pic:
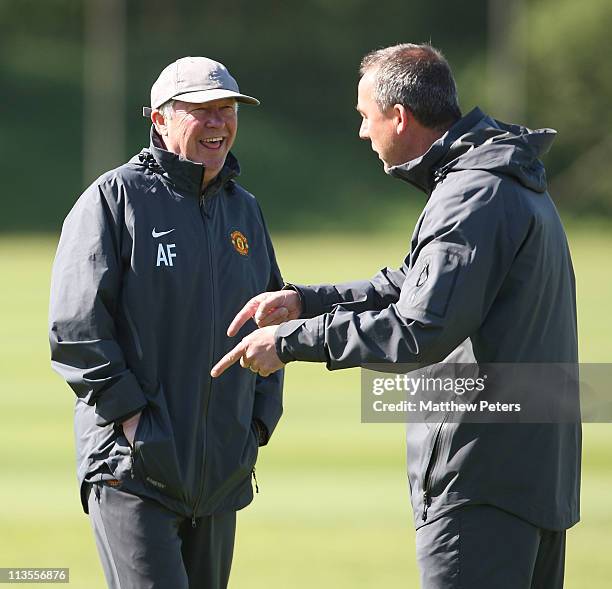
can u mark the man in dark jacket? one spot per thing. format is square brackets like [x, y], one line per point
[154, 260]
[488, 278]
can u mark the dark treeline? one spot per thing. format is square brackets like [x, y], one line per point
[299, 151]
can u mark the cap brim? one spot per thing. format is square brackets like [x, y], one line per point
[201, 96]
[207, 95]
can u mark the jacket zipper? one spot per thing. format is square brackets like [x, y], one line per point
[132, 459]
[429, 472]
[211, 357]
[255, 479]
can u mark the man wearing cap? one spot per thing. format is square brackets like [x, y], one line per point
[154, 260]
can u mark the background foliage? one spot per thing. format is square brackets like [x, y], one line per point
[299, 151]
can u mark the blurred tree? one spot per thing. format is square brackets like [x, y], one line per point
[41, 82]
[570, 89]
[507, 52]
[104, 86]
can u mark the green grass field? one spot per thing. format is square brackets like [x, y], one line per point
[333, 507]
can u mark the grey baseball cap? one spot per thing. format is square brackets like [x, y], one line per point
[195, 79]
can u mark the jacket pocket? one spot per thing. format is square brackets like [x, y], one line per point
[224, 495]
[431, 282]
[154, 453]
[429, 473]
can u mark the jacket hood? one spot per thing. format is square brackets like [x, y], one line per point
[184, 174]
[478, 142]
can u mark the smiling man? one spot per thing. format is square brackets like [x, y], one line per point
[154, 260]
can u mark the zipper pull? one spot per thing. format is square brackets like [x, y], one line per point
[255, 479]
[193, 521]
[426, 504]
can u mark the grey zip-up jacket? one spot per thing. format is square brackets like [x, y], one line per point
[149, 273]
[488, 278]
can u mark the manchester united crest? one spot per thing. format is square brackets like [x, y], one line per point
[240, 243]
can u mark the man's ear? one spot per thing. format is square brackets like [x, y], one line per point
[160, 122]
[401, 116]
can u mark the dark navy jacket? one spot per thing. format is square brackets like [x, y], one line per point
[149, 273]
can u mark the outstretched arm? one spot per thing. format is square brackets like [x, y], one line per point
[295, 301]
[458, 269]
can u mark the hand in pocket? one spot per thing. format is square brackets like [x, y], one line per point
[129, 427]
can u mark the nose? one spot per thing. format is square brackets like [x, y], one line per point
[363, 130]
[214, 119]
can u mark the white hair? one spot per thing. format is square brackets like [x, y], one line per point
[167, 109]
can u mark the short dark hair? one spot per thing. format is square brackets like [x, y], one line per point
[417, 77]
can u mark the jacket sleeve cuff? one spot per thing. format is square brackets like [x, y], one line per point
[118, 402]
[301, 339]
[312, 305]
[263, 434]
[268, 405]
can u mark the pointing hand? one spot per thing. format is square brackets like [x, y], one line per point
[268, 308]
[256, 351]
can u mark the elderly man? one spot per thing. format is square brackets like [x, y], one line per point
[154, 260]
[488, 277]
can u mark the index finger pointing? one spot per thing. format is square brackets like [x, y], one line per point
[230, 358]
[243, 316]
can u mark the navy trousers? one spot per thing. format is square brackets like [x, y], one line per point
[482, 547]
[143, 545]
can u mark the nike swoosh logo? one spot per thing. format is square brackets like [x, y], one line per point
[160, 233]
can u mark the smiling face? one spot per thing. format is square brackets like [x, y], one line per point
[202, 133]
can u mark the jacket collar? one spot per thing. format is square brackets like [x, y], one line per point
[185, 175]
[420, 172]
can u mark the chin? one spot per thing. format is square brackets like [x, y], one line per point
[213, 166]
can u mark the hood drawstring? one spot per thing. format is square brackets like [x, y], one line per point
[439, 175]
[146, 157]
